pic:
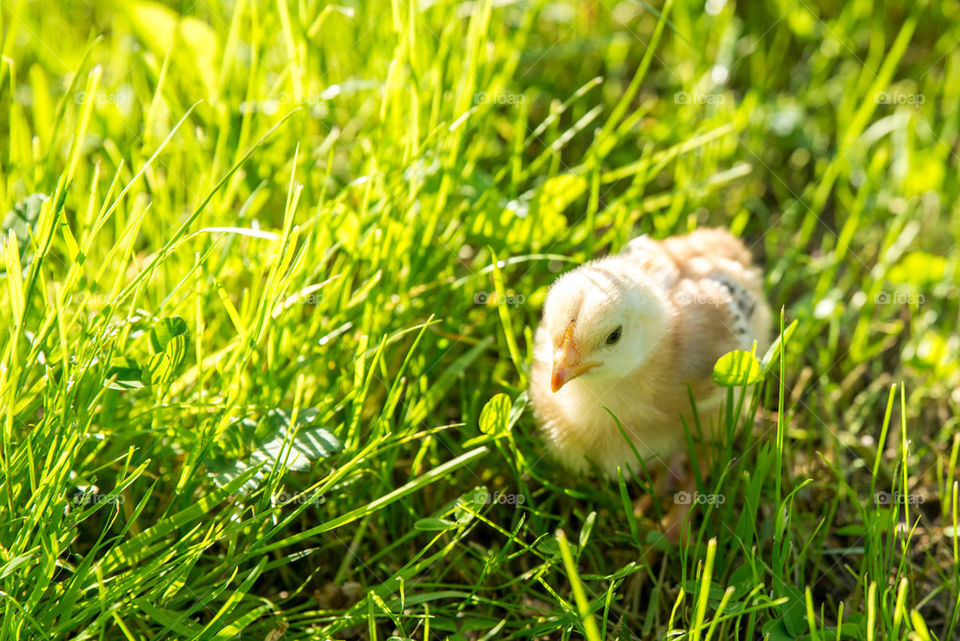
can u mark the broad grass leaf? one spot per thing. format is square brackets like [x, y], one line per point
[738, 367]
[294, 449]
[168, 338]
[128, 373]
[495, 416]
[166, 330]
[793, 612]
[776, 630]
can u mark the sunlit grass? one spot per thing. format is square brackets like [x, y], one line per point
[270, 274]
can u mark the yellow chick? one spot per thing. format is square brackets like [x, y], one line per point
[629, 332]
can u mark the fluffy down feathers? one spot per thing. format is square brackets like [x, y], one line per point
[628, 333]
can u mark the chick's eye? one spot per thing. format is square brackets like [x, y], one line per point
[614, 336]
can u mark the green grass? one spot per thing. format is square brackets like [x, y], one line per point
[269, 324]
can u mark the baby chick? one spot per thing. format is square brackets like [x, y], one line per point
[629, 332]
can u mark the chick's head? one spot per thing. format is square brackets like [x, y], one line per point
[602, 324]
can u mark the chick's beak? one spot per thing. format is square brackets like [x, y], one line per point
[567, 364]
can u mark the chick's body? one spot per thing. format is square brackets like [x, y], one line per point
[629, 333]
